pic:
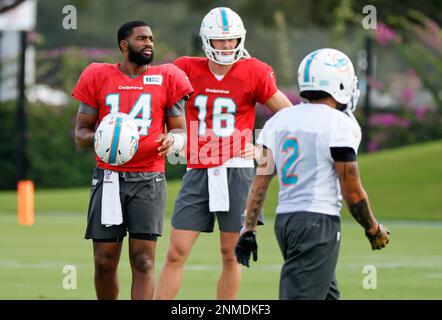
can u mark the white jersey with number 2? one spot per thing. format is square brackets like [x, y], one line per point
[300, 138]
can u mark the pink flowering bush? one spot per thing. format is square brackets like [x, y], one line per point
[384, 34]
[410, 120]
[417, 40]
[406, 126]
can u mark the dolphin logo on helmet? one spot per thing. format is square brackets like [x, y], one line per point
[331, 71]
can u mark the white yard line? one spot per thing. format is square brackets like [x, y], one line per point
[425, 262]
[422, 264]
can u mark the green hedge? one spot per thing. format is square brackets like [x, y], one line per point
[52, 157]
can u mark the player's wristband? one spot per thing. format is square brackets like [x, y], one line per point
[178, 142]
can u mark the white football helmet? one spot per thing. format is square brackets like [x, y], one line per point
[331, 71]
[116, 139]
[223, 24]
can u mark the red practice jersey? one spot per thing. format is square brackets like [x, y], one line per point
[220, 115]
[145, 98]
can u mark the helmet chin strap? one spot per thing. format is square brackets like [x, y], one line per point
[218, 57]
[341, 107]
[227, 59]
[351, 115]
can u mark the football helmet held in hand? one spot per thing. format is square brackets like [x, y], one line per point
[116, 139]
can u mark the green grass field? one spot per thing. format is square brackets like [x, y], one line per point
[404, 186]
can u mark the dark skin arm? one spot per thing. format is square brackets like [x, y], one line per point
[355, 196]
[176, 125]
[84, 129]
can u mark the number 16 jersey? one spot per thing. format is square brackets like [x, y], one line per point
[220, 115]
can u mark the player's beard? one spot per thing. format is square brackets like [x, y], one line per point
[139, 58]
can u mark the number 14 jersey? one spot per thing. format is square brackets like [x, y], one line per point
[145, 98]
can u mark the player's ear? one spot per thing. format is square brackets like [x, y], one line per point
[123, 45]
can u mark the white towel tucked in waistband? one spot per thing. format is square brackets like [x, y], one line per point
[111, 213]
[239, 163]
[218, 189]
[219, 186]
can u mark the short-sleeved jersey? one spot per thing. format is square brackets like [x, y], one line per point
[220, 115]
[145, 98]
[300, 138]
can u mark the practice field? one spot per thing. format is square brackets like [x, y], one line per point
[32, 262]
[405, 191]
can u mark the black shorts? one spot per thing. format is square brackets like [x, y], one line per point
[309, 243]
[143, 205]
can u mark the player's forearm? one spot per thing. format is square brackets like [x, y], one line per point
[359, 207]
[85, 127]
[256, 199]
[278, 101]
[84, 137]
[362, 213]
[355, 195]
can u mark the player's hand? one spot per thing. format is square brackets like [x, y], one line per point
[245, 247]
[380, 239]
[249, 152]
[166, 141]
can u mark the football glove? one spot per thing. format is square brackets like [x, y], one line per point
[380, 239]
[246, 246]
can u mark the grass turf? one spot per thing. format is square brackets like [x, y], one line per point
[32, 261]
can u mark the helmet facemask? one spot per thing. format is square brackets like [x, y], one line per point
[348, 96]
[218, 56]
[355, 93]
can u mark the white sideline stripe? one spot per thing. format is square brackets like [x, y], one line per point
[426, 264]
[433, 275]
[404, 223]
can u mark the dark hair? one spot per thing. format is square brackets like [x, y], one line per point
[314, 95]
[126, 29]
[319, 95]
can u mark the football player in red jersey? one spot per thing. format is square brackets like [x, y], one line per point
[131, 197]
[220, 118]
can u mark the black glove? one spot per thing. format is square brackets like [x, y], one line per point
[245, 246]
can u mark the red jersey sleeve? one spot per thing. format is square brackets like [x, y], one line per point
[181, 63]
[178, 86]
[265, 82]
[85, 89]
